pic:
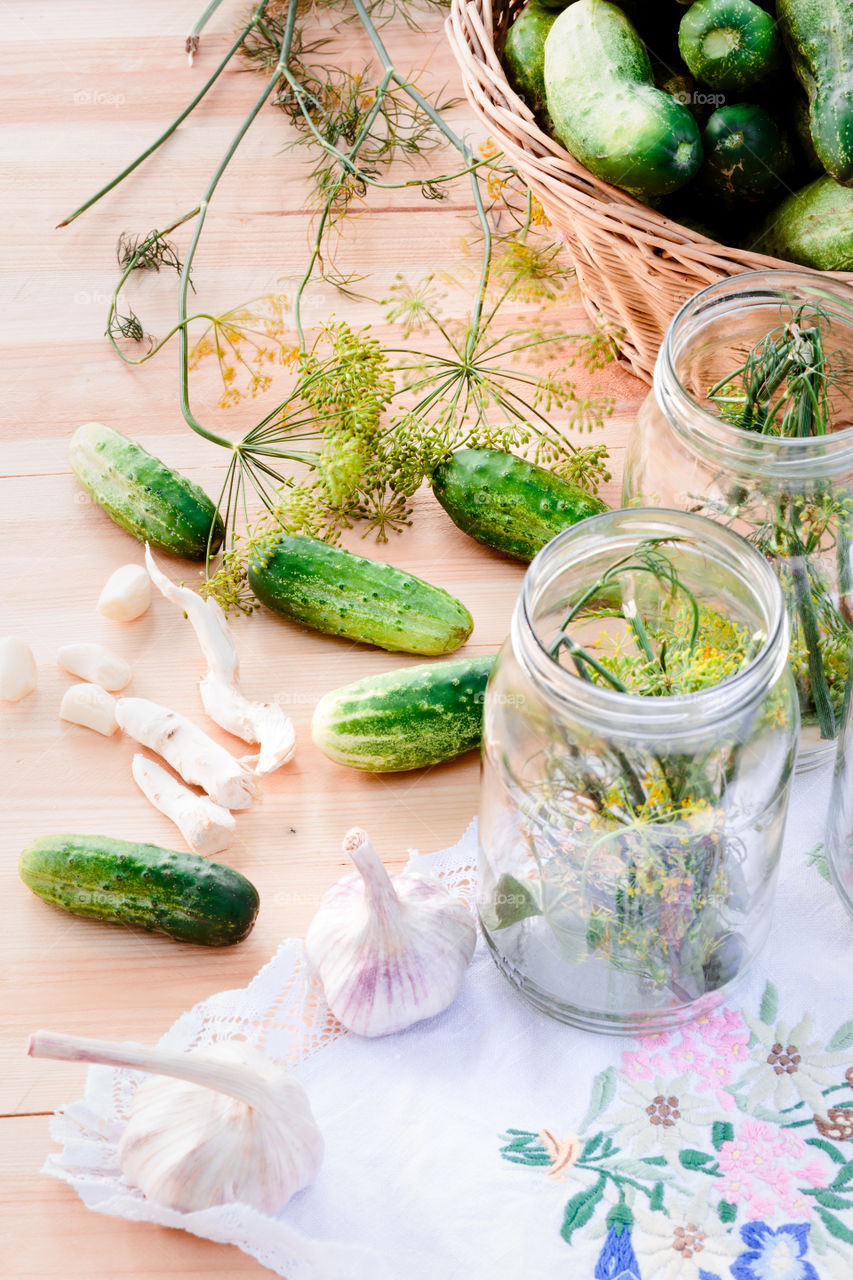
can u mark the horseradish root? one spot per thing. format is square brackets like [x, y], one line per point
[206, 827]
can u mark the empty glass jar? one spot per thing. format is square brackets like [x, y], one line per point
[792, 497]
[640, 728]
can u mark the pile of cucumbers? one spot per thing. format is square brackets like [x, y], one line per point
[730, 116]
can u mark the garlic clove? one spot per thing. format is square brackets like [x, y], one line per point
[94, 663]
[90, 706]
[210, 1127]
[207, 827]
[126, 595]
[17, 669]
[389, 950]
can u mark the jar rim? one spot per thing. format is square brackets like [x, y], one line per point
[675, 715]
[780, 456]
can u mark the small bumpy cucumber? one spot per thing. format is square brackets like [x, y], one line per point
[819, 37]
[605, 107]
[405, 719]
[143, 495]
[142, 885]
[747, 156]
[524, 53]
[343, 594]
[508, 503]
[729, 44]
[813, 227]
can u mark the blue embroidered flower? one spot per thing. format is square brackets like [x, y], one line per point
[774, 1255]
[617, 1260]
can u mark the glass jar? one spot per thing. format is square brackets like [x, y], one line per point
[791, 497]
[629, 842]
[839, 827]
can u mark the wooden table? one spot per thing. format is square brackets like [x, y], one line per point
[85, 87]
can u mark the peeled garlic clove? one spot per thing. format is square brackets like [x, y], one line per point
[224, 1124]
[94, 663]
[90, 706]
[127, 594]
[389, 950]
[17, 669]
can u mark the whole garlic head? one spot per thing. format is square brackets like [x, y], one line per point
[211, 1127]
[389, 950]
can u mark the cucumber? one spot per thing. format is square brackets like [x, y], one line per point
[342, 594]
[747, 156]
[142, 886]
[405, 719]
[508, 503]
[605, 107]
[813, 227]
[819, 38]
[729, 44]
[143, 495]
[524, 53]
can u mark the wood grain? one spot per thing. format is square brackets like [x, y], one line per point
[85, 86]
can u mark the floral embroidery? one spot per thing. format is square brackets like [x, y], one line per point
[774, 1255]
[716, 1154]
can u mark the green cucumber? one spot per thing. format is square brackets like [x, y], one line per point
[143, 495]
[142, 886]
[524, 53]
[605, 107]
[747, 156]
[813, 227]
[819, 38]
[342, 594]
[405, 719]
[729, 44]
[508, 503]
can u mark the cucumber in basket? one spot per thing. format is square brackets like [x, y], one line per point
[524, 53]
[729, 44]
[142, 886]
[143, 495]
[819, 37]
[342, 594]
[508, 503]
[813, 227]
[405, 719]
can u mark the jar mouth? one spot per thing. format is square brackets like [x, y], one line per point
[673, 715]
[728, 445]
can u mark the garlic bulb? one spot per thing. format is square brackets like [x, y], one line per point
[389, 950]
[224, 1124]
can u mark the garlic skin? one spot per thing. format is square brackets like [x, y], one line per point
[126, 595]
[206, 827]
[96, 664]
[223, 700]
[17, 669]
[212, 1127]
[389, 950]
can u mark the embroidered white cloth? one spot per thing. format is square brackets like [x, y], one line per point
[494, 1143]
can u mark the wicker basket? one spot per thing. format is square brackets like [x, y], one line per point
[635, 267]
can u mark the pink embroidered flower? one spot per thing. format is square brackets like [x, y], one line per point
[763, 1169]
[708, 1050]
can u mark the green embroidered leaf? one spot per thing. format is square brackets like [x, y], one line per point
[841, 1179]
[769, 1004]
[722, 1131]
[580, 1209]
[830, 1200]
[831, 1150]
[620, 1217]
[693, 1159]
[591, 1144]
[842, 1039]
[835, 1226]
[639, 1169]
[727, 1212]
[601, 1096]
[661, 1160]
[656, 1198]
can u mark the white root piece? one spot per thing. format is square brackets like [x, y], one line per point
[255, 722]
[191, 753]
[17, 669]
[206, 827]
[90, 706]
[96, 664]
[127, 594]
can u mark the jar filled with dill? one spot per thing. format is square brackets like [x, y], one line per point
[750, 422]
[640, 731]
